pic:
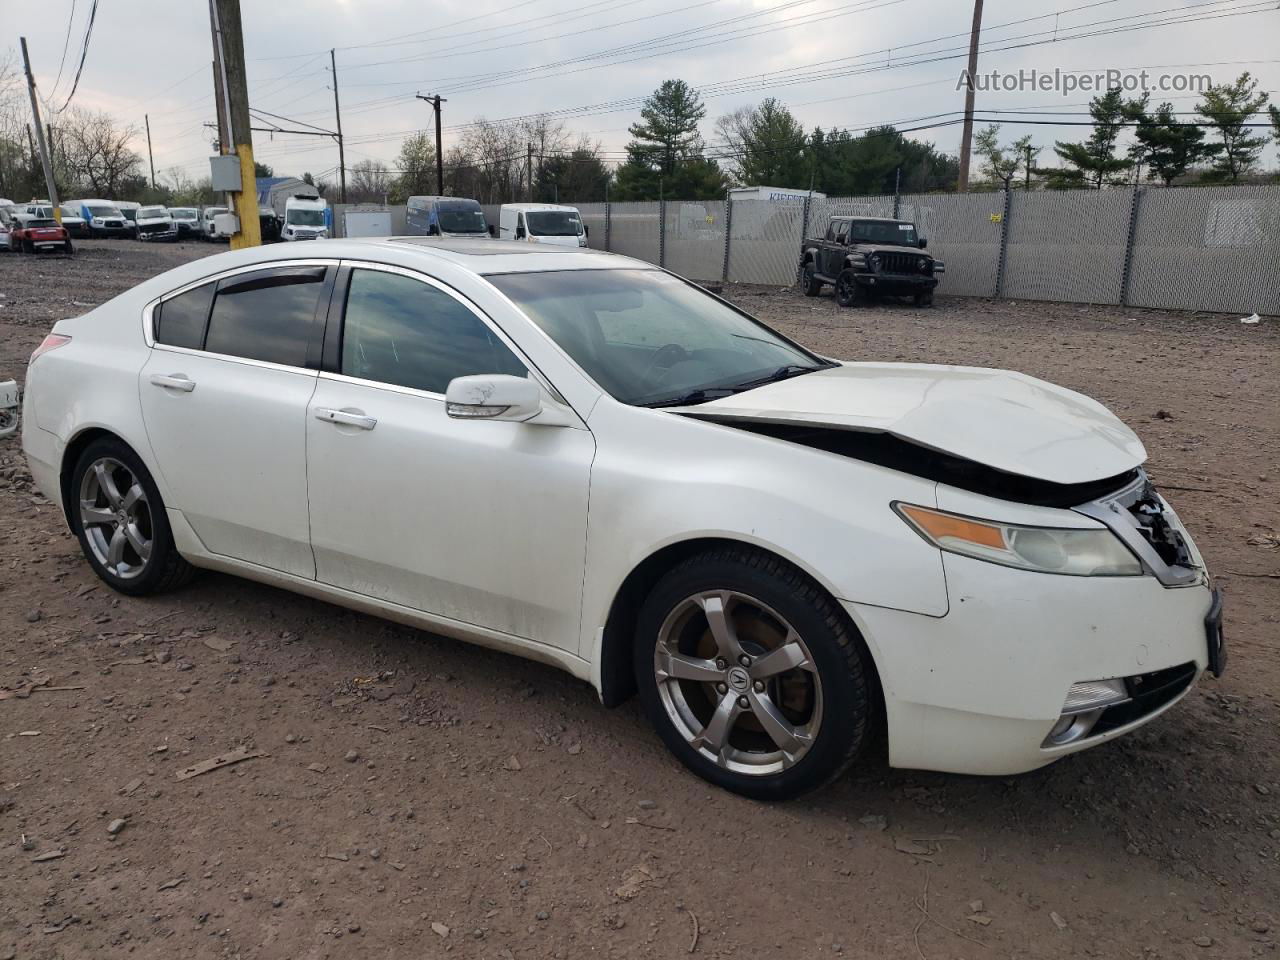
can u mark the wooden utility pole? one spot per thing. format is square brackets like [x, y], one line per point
[435, 100]
[220, 107]
[1028, 183]
[342, 160]
[151, 160]
[966, 136]
[44, 150]
[228, 45]
[530, 172]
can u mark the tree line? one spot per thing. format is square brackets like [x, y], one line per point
[668, 157]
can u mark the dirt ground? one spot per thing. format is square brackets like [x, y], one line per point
[417, 797]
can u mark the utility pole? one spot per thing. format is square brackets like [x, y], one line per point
[221, 106]
[151, 160]
[1028, 183]
[44, 151]
[337, 110]
[435, 100]
[966, 137]
[530, 172]
[228, 45]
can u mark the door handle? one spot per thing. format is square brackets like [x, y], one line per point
[174, 381]
[345, 418]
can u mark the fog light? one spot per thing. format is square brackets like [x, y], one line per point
[1084, 705]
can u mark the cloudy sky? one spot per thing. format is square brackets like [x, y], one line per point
[847, 63]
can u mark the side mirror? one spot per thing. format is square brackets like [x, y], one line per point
[493, 231]
[493, 396]
[586, 231]
[923, 243]
[433, 230]
[519, 233]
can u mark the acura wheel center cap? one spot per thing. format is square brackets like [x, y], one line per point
[739, 679]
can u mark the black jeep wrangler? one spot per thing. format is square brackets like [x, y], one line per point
[869, 257]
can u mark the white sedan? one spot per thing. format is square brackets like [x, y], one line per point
[585, 460]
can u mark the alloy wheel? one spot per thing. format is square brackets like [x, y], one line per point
[116, 518]
[738, 682]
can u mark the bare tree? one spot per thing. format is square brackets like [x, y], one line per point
[97, 149]
[369, 181]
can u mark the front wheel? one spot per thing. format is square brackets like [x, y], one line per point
[811, 284]
[923, 299]
[848, 293]
[119, 519]
[752, 675]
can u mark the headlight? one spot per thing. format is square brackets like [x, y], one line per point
[1077, 553]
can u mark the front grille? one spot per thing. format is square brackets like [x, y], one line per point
[903, 263]
[1148, 692]
[113, 224]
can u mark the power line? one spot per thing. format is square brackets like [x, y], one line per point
[84, 52]
[66, 42]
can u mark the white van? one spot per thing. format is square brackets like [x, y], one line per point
[305, 218]
[542, 223]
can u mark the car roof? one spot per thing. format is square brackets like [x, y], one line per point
[858, 216]
[478, 256]
[538, 206]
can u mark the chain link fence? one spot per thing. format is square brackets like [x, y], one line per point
[1067, 245]
[1185, 248]
[1207, 248]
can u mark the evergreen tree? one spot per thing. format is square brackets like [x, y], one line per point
[1002, 163]
[770, 146]
[664, 157]
[1094, 162]
[1228, 108]
[575, 177]
[1165, 145]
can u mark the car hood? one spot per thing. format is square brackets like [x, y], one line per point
[1005, 420]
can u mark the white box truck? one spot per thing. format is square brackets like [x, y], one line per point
[305, 218]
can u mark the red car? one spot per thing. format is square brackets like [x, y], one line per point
[40, 234]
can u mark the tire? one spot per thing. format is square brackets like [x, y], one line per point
[923, 299]
[812, 285]
[848, 292]
[789, 730]
[98, 504]
[68, 248]
[28, 246]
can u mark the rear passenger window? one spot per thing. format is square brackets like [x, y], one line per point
[267, 315]
[402, 331]
[180, 321]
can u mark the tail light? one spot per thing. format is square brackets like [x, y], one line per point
[51, 342]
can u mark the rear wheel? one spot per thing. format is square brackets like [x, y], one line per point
[752, 675]
[848, 293]
[119, 519]
[28, 246]
[923, 299]
[68, 248]
[809, 281]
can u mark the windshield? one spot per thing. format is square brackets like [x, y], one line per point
[103, 210]
[42, 222]
[69, 212]
[43, 211]
[882, 231]
[150, 213]
[305, 218]
[461, 218]
[131, 213]
[182, 213]
[553, 223]
[211, 212]
[649, 338]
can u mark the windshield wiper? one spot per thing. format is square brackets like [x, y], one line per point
[700, 395]
[782, 373]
